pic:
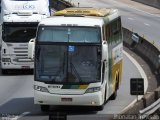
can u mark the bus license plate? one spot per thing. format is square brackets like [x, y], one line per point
[66, 99]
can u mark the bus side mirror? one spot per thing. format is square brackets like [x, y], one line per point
[104, 51]
[0, 35]
[31, 47]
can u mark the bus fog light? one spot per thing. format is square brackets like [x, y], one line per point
[40, 88]
[6, 60]
[93, 103]
[93, 89]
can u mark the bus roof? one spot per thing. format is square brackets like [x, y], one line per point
[74, 21]
[82, 17]
[98, 12]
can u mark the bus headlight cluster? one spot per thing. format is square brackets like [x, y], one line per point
[40, 88]
[93, 89]
[6, 60]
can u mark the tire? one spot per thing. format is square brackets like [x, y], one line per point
[113, 96]
[45, 108]
[105, 101]
[4, 71]
[99, 108]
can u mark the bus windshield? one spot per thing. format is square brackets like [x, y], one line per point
[68, 64]
[19, 32]
[69, 34]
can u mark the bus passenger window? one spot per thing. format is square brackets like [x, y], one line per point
[107, 32]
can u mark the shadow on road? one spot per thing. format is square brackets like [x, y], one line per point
[17, 106]
[73, 110]
[17, 72]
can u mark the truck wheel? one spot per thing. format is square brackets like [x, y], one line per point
[45, 108]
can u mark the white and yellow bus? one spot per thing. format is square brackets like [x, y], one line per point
[78, 58]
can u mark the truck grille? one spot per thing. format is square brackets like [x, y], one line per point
[21, 55]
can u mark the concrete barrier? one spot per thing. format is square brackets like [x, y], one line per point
[148, 99]
[153, 3]
[134, 109]
[157, 93]
[150, 53]
[145, 49]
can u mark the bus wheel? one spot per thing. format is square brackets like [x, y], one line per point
[4, 72]
[113, 96]
[99, 108]
[45, 108]
[105, 101]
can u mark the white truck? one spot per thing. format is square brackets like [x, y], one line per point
[19, 21]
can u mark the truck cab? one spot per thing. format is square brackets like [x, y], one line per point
[19, 21]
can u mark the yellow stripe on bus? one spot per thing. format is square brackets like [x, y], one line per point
[83, 86]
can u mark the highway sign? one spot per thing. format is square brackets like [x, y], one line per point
[137, 86]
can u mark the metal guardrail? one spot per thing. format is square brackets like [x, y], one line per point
[150, 109]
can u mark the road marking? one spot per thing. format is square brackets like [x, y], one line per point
[115, 1]
[20, 116]
[142, 73]
[130, 19]
[138, 9]
[143, 11]
[146, 24]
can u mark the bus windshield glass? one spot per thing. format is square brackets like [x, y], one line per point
[68, 64]
[19, 32]
[69, 34]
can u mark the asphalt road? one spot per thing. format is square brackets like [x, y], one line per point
[16, 97]
[143, 23]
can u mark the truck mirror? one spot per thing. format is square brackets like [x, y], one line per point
[31, 47]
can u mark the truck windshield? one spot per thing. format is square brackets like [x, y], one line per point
[69, 34]
[19, 32]
[68, 64]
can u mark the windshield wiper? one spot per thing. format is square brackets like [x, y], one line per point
[61, 69]
[76, 73]
[63, 62]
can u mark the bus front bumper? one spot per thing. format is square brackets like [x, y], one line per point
[88, 99]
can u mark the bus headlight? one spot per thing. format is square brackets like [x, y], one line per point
[6, 60]
[93, 89]
[40, 88]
